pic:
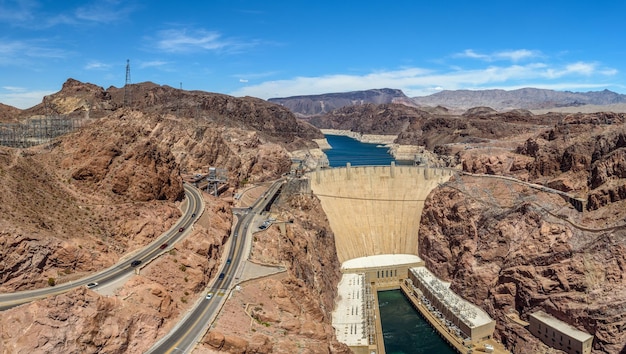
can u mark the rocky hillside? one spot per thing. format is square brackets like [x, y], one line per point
[525, 98]
[514, 250]
[77, 204]
[431, 127]
[291, 311]
[324, 103]
[8, 114]
[68, 207]
[74, 192]
[130, 317]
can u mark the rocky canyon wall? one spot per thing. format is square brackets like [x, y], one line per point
[512, 250]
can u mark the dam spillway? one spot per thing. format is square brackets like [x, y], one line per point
[375, 210]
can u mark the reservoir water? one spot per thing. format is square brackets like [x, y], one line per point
[345, 149]
[404, 329]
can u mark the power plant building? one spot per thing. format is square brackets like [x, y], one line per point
[464, 318]
[558, 334]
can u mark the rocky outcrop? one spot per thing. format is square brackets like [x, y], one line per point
[502, 251]
[584, 154]
[79, 321]
[383, 119]
[130, 163]
[52, 228]
[127, 317]
[8, 114]
[114, 184]
[429, 127]
[289, 312]
[272, 122]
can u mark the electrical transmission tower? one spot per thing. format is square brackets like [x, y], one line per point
[127, 90]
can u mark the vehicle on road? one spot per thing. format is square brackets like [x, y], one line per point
[193, 215]
[181, 229]
[135, 263]
[92, 285]
[209, 296]
[163, 246]
[222, 275]
[266, 224]
[228, 261]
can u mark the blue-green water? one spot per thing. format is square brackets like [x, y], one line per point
[404, 329]
[345, 149]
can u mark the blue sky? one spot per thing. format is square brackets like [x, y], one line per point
[285, 48]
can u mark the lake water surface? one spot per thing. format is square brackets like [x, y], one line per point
[345, 149]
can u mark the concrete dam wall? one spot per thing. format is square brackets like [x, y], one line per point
[375, 210]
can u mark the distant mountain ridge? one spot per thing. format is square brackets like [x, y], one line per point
[501, 100]
[525, 98]
[309, 105]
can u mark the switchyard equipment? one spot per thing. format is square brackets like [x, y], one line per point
[216, 177]
[36, 131]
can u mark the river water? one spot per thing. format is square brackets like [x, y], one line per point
[404, 330]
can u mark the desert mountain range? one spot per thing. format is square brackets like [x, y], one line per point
[84, 200]
[459, 100]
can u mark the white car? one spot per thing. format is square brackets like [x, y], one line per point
[92, 285]
[209, 296]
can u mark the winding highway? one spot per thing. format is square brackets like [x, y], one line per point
[195, 207]
[190, 330]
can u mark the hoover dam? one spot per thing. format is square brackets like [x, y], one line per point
[375, 213]
[375, 210]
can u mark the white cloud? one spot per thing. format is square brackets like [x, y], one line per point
[259, 75]
[580, 68]
[517, 55]
[420, 81]
[34, 15]
[22, 98]
[510, 55]
[14, 88]
[14, 52]
[96, 65]
[16, 12]
[187, 41]
[152, 64]
[243, 80]
[468, 53]
[103, 11]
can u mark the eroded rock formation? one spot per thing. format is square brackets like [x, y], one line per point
[513, 250]
[291, 311]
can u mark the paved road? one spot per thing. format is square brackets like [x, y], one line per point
[194, 208]
[189, 331]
